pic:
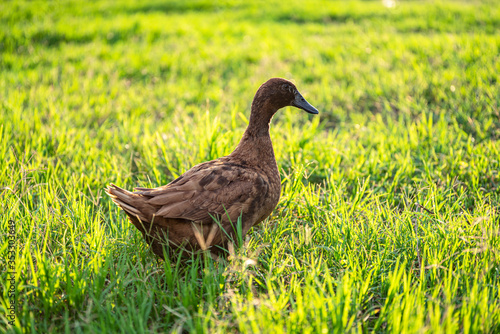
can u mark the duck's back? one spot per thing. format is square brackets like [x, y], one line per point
[216, 192]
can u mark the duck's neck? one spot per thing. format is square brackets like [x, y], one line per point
[260, 118]
[256, 145]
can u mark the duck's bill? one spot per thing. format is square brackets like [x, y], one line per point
[301, 103]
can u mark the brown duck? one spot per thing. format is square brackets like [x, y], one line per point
[200, 209]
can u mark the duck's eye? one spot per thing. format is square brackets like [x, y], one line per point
[287, 87]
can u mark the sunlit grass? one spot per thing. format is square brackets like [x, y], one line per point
[389, 215]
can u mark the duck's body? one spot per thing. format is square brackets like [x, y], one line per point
[200, 209]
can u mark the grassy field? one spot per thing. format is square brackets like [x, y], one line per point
[389, 218]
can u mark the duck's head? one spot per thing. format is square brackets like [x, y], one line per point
[277, 93]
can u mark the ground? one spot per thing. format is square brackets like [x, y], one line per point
[389, 214]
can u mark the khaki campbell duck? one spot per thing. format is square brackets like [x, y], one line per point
[200, 209]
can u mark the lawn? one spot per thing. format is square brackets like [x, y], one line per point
[389, 216]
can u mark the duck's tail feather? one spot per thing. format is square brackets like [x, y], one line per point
[128, 201]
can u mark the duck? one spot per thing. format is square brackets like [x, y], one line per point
[206, 207]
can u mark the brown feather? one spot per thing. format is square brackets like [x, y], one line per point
[199, 209]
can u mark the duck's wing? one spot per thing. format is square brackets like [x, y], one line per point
[211, 191]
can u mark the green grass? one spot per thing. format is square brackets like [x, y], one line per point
[389, 215]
